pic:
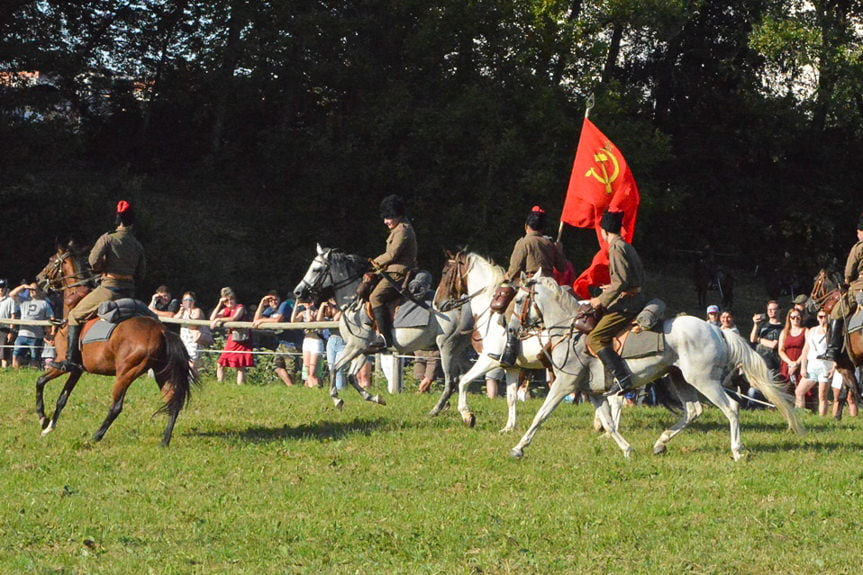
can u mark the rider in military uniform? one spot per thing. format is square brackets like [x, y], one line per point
[531, 252]
[119, 257]
[621, 299]
[854, 281]
[399, 258]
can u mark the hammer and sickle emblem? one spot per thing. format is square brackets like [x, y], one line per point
[602, 156]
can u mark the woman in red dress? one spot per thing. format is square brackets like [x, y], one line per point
[238, 347]
[791, 342]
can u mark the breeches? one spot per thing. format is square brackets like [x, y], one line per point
[608, 326]
[386, 291]
[846, 304]
[87, 307]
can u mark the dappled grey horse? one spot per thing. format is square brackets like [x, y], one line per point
[695, 353]
[468, 282]
[335, 272]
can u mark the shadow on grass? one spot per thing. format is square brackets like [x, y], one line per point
[320, 430]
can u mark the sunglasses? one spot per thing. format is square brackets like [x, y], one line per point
[822, 316]
[188, 299]
[795, 317]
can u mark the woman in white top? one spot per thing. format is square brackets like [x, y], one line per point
[313, 343]
[812, 369]
[190, 334]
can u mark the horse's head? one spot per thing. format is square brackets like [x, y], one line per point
[332, 273]
[540, 304]
[530, 290]
[63, 269]
[318, 275]
[453, 281]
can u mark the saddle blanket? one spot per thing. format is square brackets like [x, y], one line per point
[99, 330]
[855, 323]
[643, 344]
[410, 314]
[117, 311]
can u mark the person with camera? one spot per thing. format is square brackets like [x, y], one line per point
[163, 305]
[313, 343]
[765, 334]
[193, 336]
[238, 347]
[272, 310]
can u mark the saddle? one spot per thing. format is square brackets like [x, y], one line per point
[111, 314]
[644, 336]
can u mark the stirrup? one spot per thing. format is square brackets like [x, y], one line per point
[618, 389]
[379, 344]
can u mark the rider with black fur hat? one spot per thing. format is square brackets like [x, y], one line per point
[621, 299]
[854, 281]
[119, 257]
[399, 258]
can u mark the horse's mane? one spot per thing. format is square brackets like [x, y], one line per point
[339, 257]
[496, 271]
[562, 297]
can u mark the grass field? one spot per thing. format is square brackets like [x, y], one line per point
[266, 479]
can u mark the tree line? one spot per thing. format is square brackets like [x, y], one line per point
[245, 131]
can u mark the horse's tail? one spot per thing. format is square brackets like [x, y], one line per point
[759, 376]
[178, 372]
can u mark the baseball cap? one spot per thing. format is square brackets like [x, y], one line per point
[713, 309]
[3, 283]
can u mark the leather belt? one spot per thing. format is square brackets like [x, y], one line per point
[118, 277]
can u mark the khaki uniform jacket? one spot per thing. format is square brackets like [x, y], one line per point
[119, 253]
[533, 252]
[401, 254]
[627, 276]
[854, 268]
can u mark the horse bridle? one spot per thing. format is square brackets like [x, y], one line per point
[536, 329]
[54, 282]
[458, 290]
[319, 284]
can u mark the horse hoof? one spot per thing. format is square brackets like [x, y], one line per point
[738, 455]
[507, 429]
[379, 400]
[516, 453]
[43, 422]
[659, 449]
[445, 407]
[48, 429]
[627, 453]
[339, 403]
[470, 420]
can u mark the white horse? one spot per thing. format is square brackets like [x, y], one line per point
[336, 272]
[468, 280]
[695, 352]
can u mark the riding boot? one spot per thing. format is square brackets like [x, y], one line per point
[622, 376]
[72, 363]
[385, 328]
[510, 349]
[834, 340]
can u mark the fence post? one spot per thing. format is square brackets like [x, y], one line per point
[393, 367]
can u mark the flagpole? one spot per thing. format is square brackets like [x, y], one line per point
[587, 108]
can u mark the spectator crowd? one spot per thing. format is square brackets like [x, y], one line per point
[790, 344]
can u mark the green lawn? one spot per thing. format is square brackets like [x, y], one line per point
[266, 479]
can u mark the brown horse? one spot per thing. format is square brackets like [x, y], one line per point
[136, 345]
[825, 295]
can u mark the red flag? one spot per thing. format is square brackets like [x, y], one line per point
[600, 179]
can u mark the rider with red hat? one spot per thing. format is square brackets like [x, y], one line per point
[532, 252]
[119, 257]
